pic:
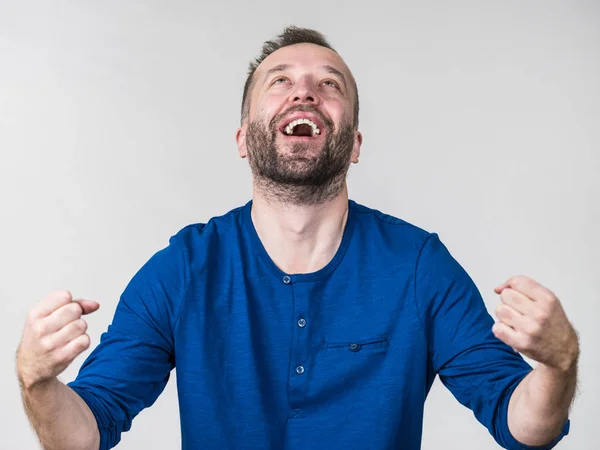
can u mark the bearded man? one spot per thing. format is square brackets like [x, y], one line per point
[302, 319]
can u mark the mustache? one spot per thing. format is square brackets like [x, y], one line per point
[300, 108]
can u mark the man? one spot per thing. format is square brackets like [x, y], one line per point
[302, 319]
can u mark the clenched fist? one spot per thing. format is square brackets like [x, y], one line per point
[533, 322]
[53, 336]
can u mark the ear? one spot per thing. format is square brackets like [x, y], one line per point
[358, 139]
[240, 138]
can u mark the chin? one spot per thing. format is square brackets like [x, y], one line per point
[300, 149]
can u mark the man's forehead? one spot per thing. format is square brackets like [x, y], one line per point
[303, 55]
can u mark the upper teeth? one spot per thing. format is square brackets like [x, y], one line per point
[290, 128]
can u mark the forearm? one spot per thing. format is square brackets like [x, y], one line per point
[61, 419]
[539, 406]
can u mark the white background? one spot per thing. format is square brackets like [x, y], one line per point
[117, 119]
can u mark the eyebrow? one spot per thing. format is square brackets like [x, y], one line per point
[277, 68]
[332, 70]
[329, 69]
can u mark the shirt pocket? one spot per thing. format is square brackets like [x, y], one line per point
[358, 347]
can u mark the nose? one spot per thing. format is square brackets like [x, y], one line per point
[304, 92]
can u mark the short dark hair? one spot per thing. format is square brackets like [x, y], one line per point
[291, 36]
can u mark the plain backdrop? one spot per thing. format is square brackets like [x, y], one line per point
[481, 122]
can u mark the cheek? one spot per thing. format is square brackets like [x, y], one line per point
[271, 102]
[339, 111]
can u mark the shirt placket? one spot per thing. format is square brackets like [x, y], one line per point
[300, 366]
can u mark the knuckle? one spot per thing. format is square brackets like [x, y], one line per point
[64, 294]
[542, 316]
[39, 328]
[503, 310]
[499, 329]
[528, 342]
[73, 309]
[534, 329]
[47, 345]
[83, 343]
[515, 279]
[67, 353]
[61, 358]
[508, 295]
[549, 298]
[80, 325]
[76, 308]
[514, 295]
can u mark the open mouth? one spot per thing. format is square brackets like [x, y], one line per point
[301, 128]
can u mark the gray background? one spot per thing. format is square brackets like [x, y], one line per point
[117, 121]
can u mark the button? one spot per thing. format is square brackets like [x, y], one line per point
[301, 322]
[354, 347]
[299, 370]
[287, 279]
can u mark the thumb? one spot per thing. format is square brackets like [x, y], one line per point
[500, 288]
[88, 306]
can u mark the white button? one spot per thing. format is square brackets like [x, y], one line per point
[299, 370]
[301, 322]
[287, 279]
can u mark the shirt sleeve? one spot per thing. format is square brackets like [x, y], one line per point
[131, 365]
[480, 370]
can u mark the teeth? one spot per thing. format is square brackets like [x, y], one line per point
[290, 128]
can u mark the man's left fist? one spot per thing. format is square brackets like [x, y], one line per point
[533, 322]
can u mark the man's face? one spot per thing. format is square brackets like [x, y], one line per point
[300, 129]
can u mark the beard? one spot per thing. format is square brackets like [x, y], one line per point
[299, 174]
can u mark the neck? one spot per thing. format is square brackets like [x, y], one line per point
[300, 238]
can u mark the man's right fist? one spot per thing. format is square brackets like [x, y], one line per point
[53, 336]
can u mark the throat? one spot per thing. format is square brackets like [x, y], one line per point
[299, 259]
[298, 249]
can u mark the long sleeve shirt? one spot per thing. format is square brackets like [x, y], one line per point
[343, 357]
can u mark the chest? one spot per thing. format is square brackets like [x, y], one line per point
[306, 335]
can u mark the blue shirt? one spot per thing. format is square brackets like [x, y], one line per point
[343, 357]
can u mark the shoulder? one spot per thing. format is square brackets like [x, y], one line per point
[195, 234]
[204, 243]
[389, 230]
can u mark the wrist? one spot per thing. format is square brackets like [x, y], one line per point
[564, 369]
[31, 386]
[566, 365]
